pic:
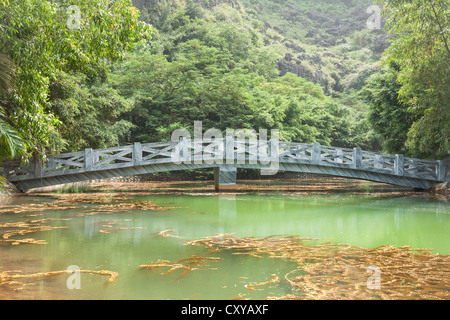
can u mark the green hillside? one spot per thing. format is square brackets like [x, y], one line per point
[322, 41]
[136, 70]
[325, 41]
[234, 43]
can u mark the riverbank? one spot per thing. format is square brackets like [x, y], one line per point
[442, 189]
[7, 189]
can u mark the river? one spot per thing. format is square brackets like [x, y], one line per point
[308, 239]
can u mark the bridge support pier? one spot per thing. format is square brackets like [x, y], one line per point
[225, 178]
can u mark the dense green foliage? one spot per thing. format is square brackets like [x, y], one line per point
[213, 64]
[94, 78]
[39, 37]
[420, 48]
[388, 115]
[89, 110]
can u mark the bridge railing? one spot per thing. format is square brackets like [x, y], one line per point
[435, 170]
[230, 151]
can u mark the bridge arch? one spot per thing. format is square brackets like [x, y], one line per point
[227, 155]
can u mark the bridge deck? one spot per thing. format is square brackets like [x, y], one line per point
[226, 155]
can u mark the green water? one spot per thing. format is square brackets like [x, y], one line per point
[345, 218]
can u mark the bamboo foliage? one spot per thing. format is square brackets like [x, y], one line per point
[7, 71]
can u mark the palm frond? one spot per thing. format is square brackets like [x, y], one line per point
[11, 144]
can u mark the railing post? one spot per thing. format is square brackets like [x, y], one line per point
[263, 151]
[339, 156]
[137, 153]
[441, 170]
[240, 150]
[219, 158]
[229, 149]
[88, 159]
[197, 150]
[51, 165]
[181, 153]
[399, 165]
[252, 151]
[315, 153]
[377, 162]
[357, 158]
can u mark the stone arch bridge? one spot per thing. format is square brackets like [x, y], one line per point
[226, 156]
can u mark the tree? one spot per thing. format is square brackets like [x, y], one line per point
[213, 66]
[420, 45]
[90, 112]
[390, 117]
[195, 86]
[44, 37]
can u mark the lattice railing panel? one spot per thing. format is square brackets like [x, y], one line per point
[15, 168]
[378, 161]
[159, 150]
[336, 155]
[420, 168]
[296, 151]
[64, 161]
[105, 157]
